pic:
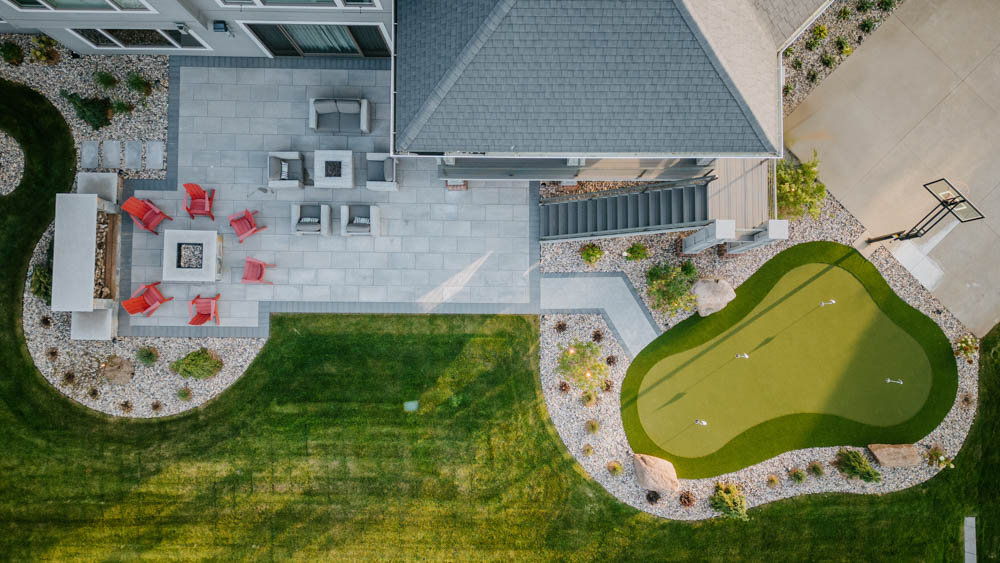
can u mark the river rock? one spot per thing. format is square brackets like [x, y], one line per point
[655, 474]
[895, 455]
[713, 295]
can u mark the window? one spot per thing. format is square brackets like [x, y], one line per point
[303, 3]
[84, 5]
[303, 40]
[139, 39]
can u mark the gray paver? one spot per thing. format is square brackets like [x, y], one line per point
[969, 531]
[154, 155]
[133, 155]
[111, 154]
[89, 154]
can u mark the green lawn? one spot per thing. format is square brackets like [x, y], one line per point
[816, 375]
[308, 456]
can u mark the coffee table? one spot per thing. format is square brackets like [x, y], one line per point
[339, 173]
[192, 256]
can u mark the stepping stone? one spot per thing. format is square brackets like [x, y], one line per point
[111, 154]
[154, 155]
[89, 154]
[133, 155]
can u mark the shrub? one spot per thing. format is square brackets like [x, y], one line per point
[126, 406]
[137, 83]
[200, 364]
[789, 51]
[581, 363]
[797, 475]
[844, 13]
[564, 387]
[828, 60]
[865, 6]
[121, 106]
[95, 112]
[607, 386]
[593, 426]
[41, 282]
[588, 398]
[729, 500]
[637, 251]
[886, 4]
[184, 394]
[591, 253]
[936, 458]
[561, 326]
[844, 46]
[854, 464]
[797, 63]
[867, 25]
[669, 286]
[820, 32]
[43, 50]
[816, 468]
[156, 406]
[967, 346]
[615, 468]
[812, 75]
[799, 189]
[69, 377]
[45, 322]
[147, 356]
[12, 53]
[652, 497]
[686, 499]
[105, 79]
[772, 480]
[788, 88]
[93, 393]
[597, 336]
[812, 43]
[611, 360]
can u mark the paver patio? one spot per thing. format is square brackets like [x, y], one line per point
[435, 246]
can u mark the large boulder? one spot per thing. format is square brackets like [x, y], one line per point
[655, 474]
[713, 295]
[895, 455]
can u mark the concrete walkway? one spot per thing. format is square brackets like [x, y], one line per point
[920, 100]
[609, 294]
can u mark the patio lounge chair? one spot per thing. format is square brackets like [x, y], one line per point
[359, 219]
[311, 219]
[284, 170]
[204, 309]
[244, 224]
[198, 202]
[381, 172]
[145, 300]
[253, 271]
[144, 214]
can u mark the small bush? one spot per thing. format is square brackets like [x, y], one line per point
[156, 406]
[820, 32]
[564, 387]
[772, 480]
[844, 13]
[854, 464]
[797, 475]
[799, 188]
[812, 75]
[607, 386]
[137, 83]
[588, 398]
[121, 106]
[597, 336]
[126, 406]
[967, 346]
[844, 46]
[200, 364]
[593, 426]
[797, 63]
[788, 88]
[611, 360]
[587, 450]
[95, 112]
[561, 326]
[43, 50]
[686, 499]
[45, 321]
[789, 51]
[69, 377]
[828, 60]
[937, 458]
[52, 354]
[652, 497]
[615, 468]
[93, 393]
[12, 53]
[816, 468]
[105, 79]
[581, 364]
[812, 44]
[591, 253]
[41, 282]
[669, 286]
[729, 500]
[636, 252]
[867, 25]
[886, 5]
[865, 6]
[147, 356]
[184, 394]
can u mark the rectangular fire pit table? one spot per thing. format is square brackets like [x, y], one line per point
[192, 256]
[333, 169]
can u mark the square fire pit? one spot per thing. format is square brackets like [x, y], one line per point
[191, 256]
[333, 169]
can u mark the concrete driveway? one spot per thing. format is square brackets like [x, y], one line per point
[920, 100]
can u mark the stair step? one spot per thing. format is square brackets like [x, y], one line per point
[602, 214]
[591, 216]
[665, 207]
[688, 215]
[633, 211]
[700, 203]
[543, 222]
[571, 217]
[581, 217]
[622, 217]
[676, 206]
[654, 208]
[553, 213]
[563, 222]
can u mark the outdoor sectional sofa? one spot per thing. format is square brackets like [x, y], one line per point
[340, 115]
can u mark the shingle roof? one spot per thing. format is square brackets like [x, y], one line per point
[564, 76]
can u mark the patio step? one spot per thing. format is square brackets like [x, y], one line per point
[654, 210]
[107, 154]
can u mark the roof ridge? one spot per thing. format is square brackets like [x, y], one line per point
[462, 61]
[724, 75]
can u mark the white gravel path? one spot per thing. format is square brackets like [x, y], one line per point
[569, 416]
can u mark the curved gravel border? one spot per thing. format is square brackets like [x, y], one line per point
[569, 415]
[11, 163]
[147, 122]
[149, 384]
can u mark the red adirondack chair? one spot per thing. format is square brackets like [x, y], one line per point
[198, 202]
[146, 215]
[253, 271]
[244, 224]
[145, 300]
[204, 309]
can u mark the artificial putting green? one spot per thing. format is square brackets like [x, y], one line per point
[815, 376]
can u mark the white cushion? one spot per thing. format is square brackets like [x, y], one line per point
[348, 106]
[309, 220]
[362, 221]
[325, 106]
[387, 167]
[284, 170]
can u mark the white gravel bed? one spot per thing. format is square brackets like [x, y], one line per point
[147, 122]
[11, 163]
[149, 384]
[569, 415]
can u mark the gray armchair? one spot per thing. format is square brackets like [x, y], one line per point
[311, 219]
[381, 172]
[359, 220]
[295, 170]
[339, 115]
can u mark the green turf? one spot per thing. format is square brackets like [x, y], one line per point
[307, 457]
[815, 377]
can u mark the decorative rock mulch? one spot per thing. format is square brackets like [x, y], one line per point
[11, 163]
[548, 190]
[809, 71]
[147, 122]
[74, 367]
[610, 443]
